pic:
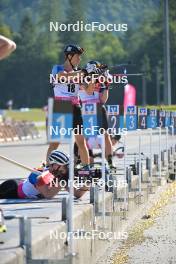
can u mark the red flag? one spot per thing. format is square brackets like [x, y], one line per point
[129, 95]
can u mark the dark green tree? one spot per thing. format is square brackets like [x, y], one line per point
[75, 13]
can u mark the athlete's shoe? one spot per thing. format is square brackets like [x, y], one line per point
[85, 167]
[3, 227]
[110, 163]
[112, 167]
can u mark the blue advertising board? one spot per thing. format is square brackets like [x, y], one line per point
[90, 123]
[152, 118]
[142, 117]
[131, 117]
[60, 120]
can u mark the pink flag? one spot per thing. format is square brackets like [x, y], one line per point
[129, 95]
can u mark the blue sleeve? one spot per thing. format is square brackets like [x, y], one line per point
[33, 177]
[56, 69]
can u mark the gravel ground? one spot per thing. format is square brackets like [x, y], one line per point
[151, 241]
[160, 244]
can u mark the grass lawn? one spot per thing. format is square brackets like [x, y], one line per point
[34, 114]
[38, 115]
[163, 107]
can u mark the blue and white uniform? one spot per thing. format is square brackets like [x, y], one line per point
[65, 91]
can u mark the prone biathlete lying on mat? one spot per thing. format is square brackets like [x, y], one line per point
[40, 183]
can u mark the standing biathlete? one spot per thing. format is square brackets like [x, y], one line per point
[69, 92]
[98, 93]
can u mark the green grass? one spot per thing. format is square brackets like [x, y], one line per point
[38, 115]
[34, 114]
[164, 107]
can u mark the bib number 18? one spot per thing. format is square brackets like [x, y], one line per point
[71, 87]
